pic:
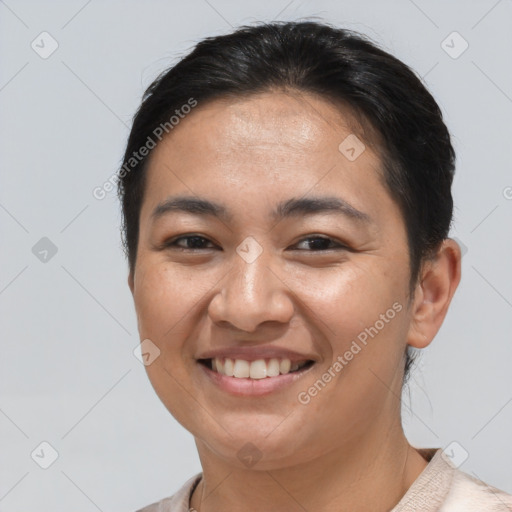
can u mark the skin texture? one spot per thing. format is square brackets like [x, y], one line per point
[344, 450]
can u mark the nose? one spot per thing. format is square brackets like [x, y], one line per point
[251, 294]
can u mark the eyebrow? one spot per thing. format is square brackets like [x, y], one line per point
[289, 208]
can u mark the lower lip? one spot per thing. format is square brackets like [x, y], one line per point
[253, 387]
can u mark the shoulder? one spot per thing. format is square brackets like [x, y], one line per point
[468, 494]
[178, 502]
[442, 487]
[159, 506]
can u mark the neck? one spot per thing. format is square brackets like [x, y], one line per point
[370, 475]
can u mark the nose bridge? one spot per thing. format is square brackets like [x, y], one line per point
[251, 293]
[252, 284]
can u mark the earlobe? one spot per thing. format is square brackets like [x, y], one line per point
[439, 279]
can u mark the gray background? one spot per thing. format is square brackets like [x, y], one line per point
[68, 375]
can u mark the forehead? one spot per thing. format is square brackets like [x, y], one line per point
[291, 119]
[265, 145]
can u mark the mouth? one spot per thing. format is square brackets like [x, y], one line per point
[258, 369]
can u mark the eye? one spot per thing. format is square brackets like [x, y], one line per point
[197, 242]
[192, 242]
[321, 243]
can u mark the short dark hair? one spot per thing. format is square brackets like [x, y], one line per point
[340, 65]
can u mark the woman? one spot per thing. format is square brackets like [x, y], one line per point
[286, 192]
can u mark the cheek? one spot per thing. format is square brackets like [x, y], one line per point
[153, 296]
[163, 297]
[164, 300]
[361, 318]
[347, 299]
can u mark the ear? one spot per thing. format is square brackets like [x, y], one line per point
[439, 278]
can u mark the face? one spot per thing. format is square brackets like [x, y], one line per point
[267, 250]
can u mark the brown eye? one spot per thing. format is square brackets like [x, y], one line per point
[191, 242]
[320, 243]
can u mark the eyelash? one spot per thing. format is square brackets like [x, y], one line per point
[172, 244]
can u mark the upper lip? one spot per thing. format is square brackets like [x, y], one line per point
[255, 353]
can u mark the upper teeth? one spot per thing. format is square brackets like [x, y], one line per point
[258, 369]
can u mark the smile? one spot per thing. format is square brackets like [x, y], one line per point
[255, 378]
[258, 369]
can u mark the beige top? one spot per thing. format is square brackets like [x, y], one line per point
[440, 487]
